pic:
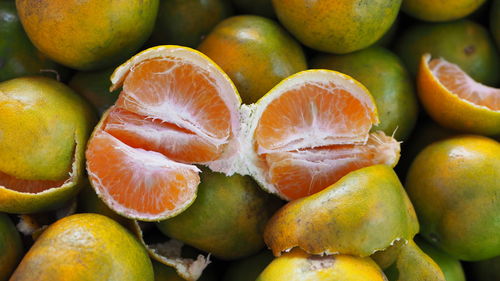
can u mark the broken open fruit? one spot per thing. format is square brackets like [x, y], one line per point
[177, 108]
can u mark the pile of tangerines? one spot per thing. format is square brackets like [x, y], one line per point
[268, 140]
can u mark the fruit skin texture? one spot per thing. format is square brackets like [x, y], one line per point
[363, 212]
[337, 26]
[18, 56]
[85, 247]
[453, 185]
[495, 21]
[88, 35]
[462, 42]
[36, 113]
[299, 266]
[227, 218]
[431, 10]
[255, 52]
[451, 267]
[11, 247]
[451, 112]
[386, 78]
[186, 22]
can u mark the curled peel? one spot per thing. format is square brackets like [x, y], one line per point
[364, 212]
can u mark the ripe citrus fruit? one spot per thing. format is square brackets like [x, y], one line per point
[387, 80]
[186, 22]
[227, 219]
[18, 56]
[463, 42]
[248, 269]
[299, 266]
[453, 185]
[85, 247]
[11, 247]
[455, 100]
[38, 113]
[495, 21]
[177, 108]
[88, 35]
[451, 267]
[446, 10]
[94, 87]
[255, 52]
[366, 211]
[337, 26]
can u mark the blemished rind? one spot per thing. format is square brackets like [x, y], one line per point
[169, 254]
[252, 113]
[85, 247]
[299, 266]
[11, 247]
[12, 201]
[453, 185]
[364, 212]
[413, 264]
[449, 110]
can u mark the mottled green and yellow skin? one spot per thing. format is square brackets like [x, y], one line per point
[255, 52]
[453, 185]
[462, 42]
[339, 27]
[18, 56]
[88, 35]
[227, 218]
[37, 113]
[363, 212]
[431, 10]
[299, 266]
[451, 267]
[186, 22]
[11, 247]
[85, 247]
[388, 81]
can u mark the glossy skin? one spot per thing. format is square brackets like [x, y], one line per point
[11, 247]
[451, 112]
[337, 26]
[227, 218]
[85, 247]
[462, 42]
[255, 52]
[362, 213]
[299, 266]
[55, 115]
[88, 35]
[386, 78]
[18, 56]
[431, 10]
[451, 267]
[186, 22]
[453, 185]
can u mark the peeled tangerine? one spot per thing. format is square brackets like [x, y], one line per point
[177, 108]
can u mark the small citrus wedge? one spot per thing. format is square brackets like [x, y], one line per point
[455, 100]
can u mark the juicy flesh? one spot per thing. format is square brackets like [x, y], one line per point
[168, 116]
[28, 186]
[459, 83]
[310, 137]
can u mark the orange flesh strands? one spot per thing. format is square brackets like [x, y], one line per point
[176, 143]
[312, 113]
[29, 186]
[141, 181]
[459, 83]
[301, 173]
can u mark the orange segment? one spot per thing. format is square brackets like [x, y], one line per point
[301, 173]
[136, 182]
[313, 112]
[180, 93]
[459, 83]
[176, 143]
